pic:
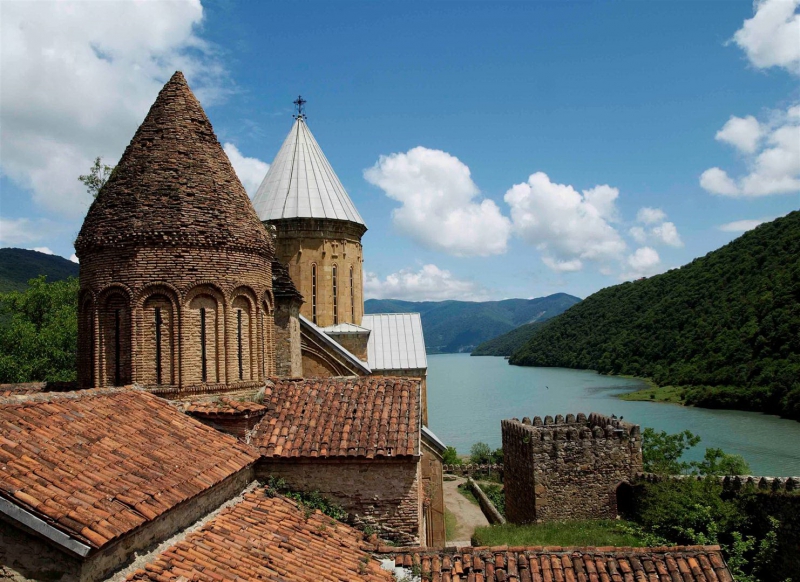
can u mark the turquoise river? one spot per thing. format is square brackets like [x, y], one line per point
[469, 396]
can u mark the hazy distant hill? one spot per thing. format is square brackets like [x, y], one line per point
[459, 326]
[509, 342]
[17, 266]
[726, 326]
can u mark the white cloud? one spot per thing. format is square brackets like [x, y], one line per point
[15, 231]
[667, 233]
[642, 263]
[441, 207]
[773, 165]
[717, 181]
[567, 227]
[430, 283]
[45, 250]
[251, 171]
[650, 215]
[74, 258]
[638, 234]
[742, 225]
[78, 77]
[741, 132]
[772, 37]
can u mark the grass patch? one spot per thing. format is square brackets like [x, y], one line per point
[569, 533]
[450, 525]
[467, 492]
[671, 394]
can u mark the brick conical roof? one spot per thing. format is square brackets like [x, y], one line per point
[174, 186]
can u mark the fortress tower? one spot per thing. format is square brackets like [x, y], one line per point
[318, 228]
[175, 278]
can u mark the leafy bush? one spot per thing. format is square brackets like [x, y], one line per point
[480, 454]
[450, 456]
[496, 495]
[39, 332]
[309, 501]
[662, 453]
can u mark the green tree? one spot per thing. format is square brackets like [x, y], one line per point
[450, 456]
[480, 454]
[662, 452]
[718, 462]
[98, 175]
[39, 332]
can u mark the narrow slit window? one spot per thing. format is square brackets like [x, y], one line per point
[314, 293]
[117, 349]
[159, 322]
[352, 297]
[335, 295]
[239, 341]
[203, 362]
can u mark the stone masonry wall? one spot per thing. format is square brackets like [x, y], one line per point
[386, 495]
[567, 468]
[288, 356]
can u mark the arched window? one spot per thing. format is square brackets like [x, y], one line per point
[335, 295]
[116, 337]
[157, 346]
[314, 293]
[352, 297]
[202, 340]
[243, 338]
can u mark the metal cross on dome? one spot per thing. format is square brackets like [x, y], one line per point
[300, 106]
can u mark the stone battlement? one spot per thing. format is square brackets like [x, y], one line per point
[573, 427]
[735, 482]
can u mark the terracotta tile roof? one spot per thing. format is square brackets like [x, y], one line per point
[367, 416]
[266, 538]
[22, 388]
[174, 186]
[226, 407]
[97, 464]
[548, 564]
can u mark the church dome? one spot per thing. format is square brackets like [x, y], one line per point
[174, 186]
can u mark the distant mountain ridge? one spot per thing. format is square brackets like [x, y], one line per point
[509, 342]
[18, 266]
[726, 326]
[459, 326]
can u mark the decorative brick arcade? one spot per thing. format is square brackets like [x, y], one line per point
[568, 468]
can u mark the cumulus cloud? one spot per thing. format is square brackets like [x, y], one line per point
[639, 234]
[430, 283]
[772, 37]
[667, 233]
[74, 258]
[251, 171]
[78, 77]
[643, 262]
[45, 250]
[742, 225]
[648, 215]
[15, 231]
[741, 132]
[441, 205]
[773, 164]
[569, 228]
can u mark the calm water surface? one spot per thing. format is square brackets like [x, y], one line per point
[469, 396]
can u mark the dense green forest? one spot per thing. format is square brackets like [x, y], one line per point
[726, 326]
[459, 326]
[18, 266]
[509, 342]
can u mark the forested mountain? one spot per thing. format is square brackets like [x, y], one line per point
[509, 342]
[726, 326]
[459, 326]
[18, 266]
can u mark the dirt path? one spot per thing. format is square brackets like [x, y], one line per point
[468, 515]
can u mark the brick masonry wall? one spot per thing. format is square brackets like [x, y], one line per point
[433, 503]
[180, 281]
[288, 357]
[302, 242]
[567, 468]
[385, 495]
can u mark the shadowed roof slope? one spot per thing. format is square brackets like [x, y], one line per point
[174, 186]
[367, 416]
[97, 464]
[267, 538]
[301, 183]
[661, 564]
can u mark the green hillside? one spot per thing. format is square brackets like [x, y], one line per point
[509, 342]
[459, 326]
[18, 266]
[726, 326]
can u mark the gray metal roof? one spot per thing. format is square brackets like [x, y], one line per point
[325, 338]
[300, 183]
[344, 328]
[396, 341]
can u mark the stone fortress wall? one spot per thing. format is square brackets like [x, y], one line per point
[573, 467]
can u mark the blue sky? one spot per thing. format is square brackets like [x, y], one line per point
[494, 149]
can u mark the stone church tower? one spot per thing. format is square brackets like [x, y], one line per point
[175, 278]
[318, 228]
